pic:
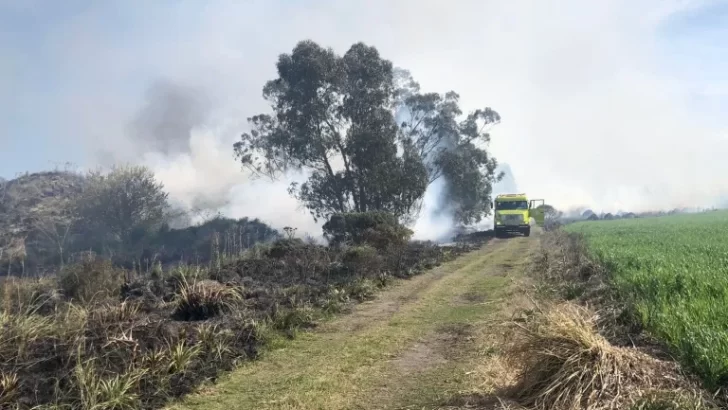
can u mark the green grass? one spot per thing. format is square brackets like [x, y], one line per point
[675, 271]
[372, 358]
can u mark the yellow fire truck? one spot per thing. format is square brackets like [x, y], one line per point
[513, 213]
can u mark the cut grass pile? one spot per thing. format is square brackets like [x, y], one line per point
[564, 363]
[674, 272]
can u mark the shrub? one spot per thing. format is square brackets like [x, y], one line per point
[362, 289]
[383, 280]
[284, 247]
[126, 204]
[378, 229]
[334, 300]
[196, 243]
[362, 260]
[289, 320]
[92, 278]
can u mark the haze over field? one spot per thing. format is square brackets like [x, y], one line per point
[611, 105]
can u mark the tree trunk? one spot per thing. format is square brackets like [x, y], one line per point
[340, 193]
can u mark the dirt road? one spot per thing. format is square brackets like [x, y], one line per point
[422, 344]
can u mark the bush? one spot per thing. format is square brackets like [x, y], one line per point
[291, 320]
[362, 289]
[378, 229]
[284, 247]
[196, 243]
[334, 300]
[362, 260]
[92, 278]
[122, 207]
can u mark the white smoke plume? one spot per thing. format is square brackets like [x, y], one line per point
[434, 223]
[597, 101]
[200, 172]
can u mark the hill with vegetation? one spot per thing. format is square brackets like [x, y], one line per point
[49, 219]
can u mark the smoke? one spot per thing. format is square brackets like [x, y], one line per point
[169, 115]
[436, 222]
[207, 178]
[172, 133]
[507, 185]
[606, 105]
[184, 134]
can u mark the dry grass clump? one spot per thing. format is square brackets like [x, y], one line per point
[204, 299]
[18, 295]
[91, 279]
[673, 400]
[566, 271]
[564, 363]
[8, 388]
[564, 262]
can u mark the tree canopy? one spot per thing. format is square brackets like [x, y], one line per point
[123, 205]
[367, 137]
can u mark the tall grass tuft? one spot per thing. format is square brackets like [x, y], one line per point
[113, 392]
[565, 364]
[200, 300]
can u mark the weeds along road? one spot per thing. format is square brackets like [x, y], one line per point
[424, 343]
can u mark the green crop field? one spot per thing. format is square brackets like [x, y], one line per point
[675, 269]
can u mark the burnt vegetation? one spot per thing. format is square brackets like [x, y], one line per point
[111, 298]
[110, 337]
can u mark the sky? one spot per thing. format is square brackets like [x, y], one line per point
[610, 105]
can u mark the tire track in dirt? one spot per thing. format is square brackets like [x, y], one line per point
[388, 303]
[457, 340]
[407, 345]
